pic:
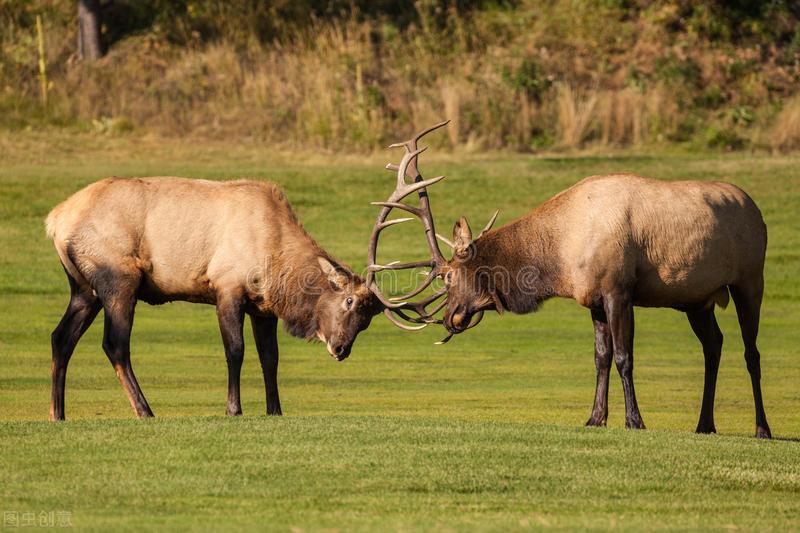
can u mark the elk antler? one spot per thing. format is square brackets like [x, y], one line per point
[397, 305]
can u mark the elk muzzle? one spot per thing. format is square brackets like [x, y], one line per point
[339, 351]
[458, 320]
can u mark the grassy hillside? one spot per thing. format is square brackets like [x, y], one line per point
[482, 433]
[520, 74]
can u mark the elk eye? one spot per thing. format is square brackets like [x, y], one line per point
[349, 302]
[449, 277]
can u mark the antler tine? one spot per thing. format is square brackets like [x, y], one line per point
[412, 142]
[450, 335]
[402, 168]
[445, 340]
[399, 205]
[411, 145]
[448, 242]
[489, 225]
[399, 324]
[477, 321]
[428, 280]
[425, 316]
[399, 266]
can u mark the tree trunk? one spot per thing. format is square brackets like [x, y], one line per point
[89, 47]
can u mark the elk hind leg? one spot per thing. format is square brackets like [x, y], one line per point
[705, 327]
[81, 311]
[619, 310]
[747, 298]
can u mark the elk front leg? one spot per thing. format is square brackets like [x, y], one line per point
[231, 319]
[265, 331]
[603, 350]
[619, 312]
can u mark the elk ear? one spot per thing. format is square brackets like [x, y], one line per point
[462, 237]
[335, 277]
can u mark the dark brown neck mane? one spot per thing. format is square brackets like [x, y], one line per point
[295, 282]
[524, 257]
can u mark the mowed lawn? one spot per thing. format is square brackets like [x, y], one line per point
[483, 433]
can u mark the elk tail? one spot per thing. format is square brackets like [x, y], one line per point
[51, 226]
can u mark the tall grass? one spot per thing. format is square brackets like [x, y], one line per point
[785, 134]
[554, 74]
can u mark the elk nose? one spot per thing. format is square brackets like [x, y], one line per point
[457, 319]
[342, 351]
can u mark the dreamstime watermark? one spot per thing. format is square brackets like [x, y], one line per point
[25, 519]
[308, 280]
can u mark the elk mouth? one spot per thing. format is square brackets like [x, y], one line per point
[340, 352]
[466, 320]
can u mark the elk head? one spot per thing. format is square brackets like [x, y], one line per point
[464, 294]
[344, 308]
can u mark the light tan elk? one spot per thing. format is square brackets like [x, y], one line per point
[237, 245]
[610, 243]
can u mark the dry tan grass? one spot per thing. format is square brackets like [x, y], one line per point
[575, 114]
[338, 86]
[785, 133]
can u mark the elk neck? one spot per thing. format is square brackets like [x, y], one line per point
[526, 252]
[294, 282]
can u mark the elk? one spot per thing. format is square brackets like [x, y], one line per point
[610, 243]
[236, 245]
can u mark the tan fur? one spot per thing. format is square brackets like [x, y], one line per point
[674, 244]
[193, 240]
[615, 242]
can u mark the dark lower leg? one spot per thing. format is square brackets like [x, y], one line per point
[705, 327]
[234, 406]
[79, 315]
[135, 396]
[602, 358]
[265, 331]
[231, 319]
[119, 309]
[619, 311]
[753, 359]
[748, 309]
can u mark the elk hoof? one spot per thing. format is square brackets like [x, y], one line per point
[763, 433]
[634, 423]
[596, 421]
[705, 428]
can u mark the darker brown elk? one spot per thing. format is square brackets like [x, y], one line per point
[612, 243]
[236, 245]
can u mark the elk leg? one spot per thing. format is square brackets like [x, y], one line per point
[748, 309]
[119, 309]
[619, 311]
[705, 327]
[603, 350]
[230, 313]
[81, 312]
[265, 331]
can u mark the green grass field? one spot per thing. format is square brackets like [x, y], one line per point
[483, 433]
